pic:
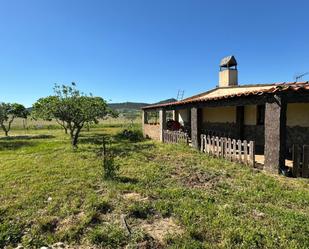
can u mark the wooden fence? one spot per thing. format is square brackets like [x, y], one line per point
[174, 137]
[300, 161]
[231, 149]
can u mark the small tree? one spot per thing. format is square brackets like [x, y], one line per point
[50, 108]
[71, 109]
[8, 112]
[109, 167]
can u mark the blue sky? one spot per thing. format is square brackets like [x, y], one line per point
[145, 50]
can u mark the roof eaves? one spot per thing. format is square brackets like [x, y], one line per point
[277, 87]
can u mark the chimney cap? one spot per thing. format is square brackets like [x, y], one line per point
[228, 61]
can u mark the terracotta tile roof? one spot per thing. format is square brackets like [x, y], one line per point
[238, 91]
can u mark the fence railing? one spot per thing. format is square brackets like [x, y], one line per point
[174, 137]
[231, 149]
[300, 161]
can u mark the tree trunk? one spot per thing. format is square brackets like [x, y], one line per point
[75, 137]
[62, 124]
[74, 141]
[72, 133]
[6, 131]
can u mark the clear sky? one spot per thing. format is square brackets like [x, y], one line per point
[145, 50]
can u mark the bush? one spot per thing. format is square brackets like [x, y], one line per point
[109, 167]
[132, 134]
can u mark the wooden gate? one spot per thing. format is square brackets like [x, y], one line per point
[300, 161]
[231, 149]
[173, 137]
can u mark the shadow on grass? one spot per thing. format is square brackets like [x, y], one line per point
[126, 148]
[96, 139]
[125, 179]
[26, 137]
[14, 145]
[16, 142]
[116, 144]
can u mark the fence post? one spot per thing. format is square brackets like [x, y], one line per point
[228, 148]
[239, 150]
[305, 166]
[252, 153]
[296, 160]
[234, 150]
[245, 152]
[212, 139]
[223, 147]
[217, 147]
[202, 143]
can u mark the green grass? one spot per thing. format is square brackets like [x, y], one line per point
[31, 124]
[50, 193]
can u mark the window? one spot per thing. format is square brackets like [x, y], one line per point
[260, 115]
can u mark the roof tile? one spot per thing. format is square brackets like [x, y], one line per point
[238, 91]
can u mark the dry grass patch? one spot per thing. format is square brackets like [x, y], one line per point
[70, 221]
[160, 228]
[133, 196]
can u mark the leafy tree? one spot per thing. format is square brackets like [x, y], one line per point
[8, 112]
[71, 109]
[51, 108]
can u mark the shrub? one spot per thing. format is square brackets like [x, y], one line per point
[132, 134]
[109, 167]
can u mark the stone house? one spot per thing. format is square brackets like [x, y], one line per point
[274, 116]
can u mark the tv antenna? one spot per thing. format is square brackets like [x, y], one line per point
[300, 76]
[180, 94]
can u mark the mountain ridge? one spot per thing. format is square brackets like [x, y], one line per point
[136, 105]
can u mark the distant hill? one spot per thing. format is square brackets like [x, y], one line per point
[135, 105]
[127, 105]
[130, 106]
[166, 101]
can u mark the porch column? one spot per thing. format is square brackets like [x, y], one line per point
[240, 118]
[144, 120]
[196, 117]
[162, 120]
[275, 134]
[175, 115]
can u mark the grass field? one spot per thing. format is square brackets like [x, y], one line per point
[32, 124]
[168, 195]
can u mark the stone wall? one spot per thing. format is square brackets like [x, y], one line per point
[220, 129]
[152, 131]
[255, 133]
[297, 135]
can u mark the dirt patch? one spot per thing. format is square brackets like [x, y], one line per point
[197, 178]
[160, 228]
[133, 196]
[70, 221]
